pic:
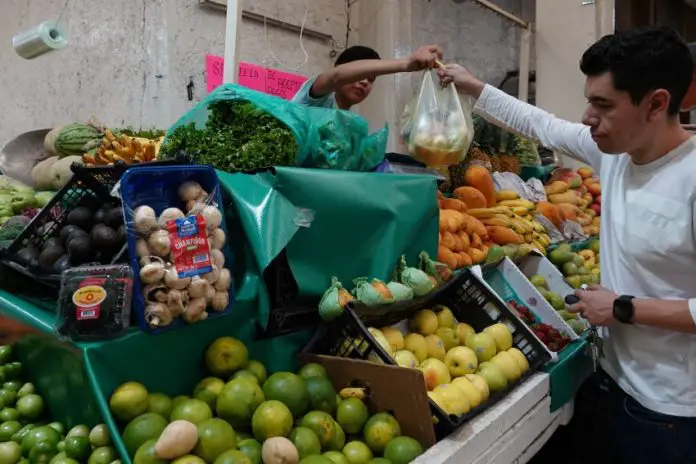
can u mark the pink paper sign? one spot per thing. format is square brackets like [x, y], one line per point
[214, 70]
[252, 76]
[283, 84]
[255, 77]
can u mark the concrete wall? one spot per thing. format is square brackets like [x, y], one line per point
[131, 65]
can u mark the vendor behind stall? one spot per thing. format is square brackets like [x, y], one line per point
[350, 81]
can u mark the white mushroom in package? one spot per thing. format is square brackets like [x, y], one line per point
[181, 257]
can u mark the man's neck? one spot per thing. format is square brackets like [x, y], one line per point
[342, 103]
[664, 142]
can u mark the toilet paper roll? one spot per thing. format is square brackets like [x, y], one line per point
[44, 38]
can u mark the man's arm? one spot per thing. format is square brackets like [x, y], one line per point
[512, 114]
[675, 315]
[348, 73]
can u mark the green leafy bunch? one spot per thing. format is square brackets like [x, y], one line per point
[237, 137]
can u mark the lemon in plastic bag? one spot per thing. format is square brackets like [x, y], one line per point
[440, 131]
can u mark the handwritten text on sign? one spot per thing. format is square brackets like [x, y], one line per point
[255, 77]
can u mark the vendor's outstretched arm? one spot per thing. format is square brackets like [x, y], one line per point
[504, 110]
[348, 73]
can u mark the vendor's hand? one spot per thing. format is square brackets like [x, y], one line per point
[424, 58]
[462, 79]
[596, 305]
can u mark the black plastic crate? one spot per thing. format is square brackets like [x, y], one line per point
[109, 176]
[289, 311]
[81, 190]
[470, 301]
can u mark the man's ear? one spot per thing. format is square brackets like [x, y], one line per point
[658, 103]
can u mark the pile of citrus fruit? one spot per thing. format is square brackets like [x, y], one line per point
[242, 415]
[28, 436]
[460, 367]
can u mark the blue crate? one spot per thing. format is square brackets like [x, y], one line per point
[157, 187]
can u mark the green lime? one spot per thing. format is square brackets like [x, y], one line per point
[258, 369]
[58, 457]
[5, 354]
[159, 403]
[99, 436]
[26, 389]
[9, 428]
[19, 436]
[312, 370]
[336, 457]
[207, 390]
[77, 448]
[271, 419]
[289, 389]
[316, 459]
[322, 395]
[402, 450]
[13, 371]
[323, 425]
[357, 452]
[251, 449]
[339, 440]
[379, 430]
[146, 454]
[177, 400]
[61, 446]
[102, 455]
[380, 461]
[193, 410]
[306, 441]
[2, 375]
[9, 397]
[149, 426]
[9, 414]
[42, 452]
[215, 436]
[12, 385]
[30, 407]
[246, 375]
[129, 401]
[232, 457]
[36, 435]
[10, 452]
[78, 431]
[188, 459]
[58, 427]
[352, 414]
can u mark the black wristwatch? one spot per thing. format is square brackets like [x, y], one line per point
[623, 309]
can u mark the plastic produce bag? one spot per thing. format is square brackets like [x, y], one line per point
[440, 130]
[235, 129]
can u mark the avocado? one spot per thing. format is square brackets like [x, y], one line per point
[67, 231]
[62, 264]
[104, 238]
[114, 217]
[121, 232]
[81, 217]
[49, 256]
[559, 256]
[52, 242]
[75, 234]
[100, 215]
[26, 255]
[80, 249]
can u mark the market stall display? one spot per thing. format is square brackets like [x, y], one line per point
[243, 413]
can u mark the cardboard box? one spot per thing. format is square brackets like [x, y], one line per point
[392, 389]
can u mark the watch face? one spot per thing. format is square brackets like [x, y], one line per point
[623, 309]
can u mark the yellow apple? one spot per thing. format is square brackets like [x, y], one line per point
[382, 340]
[424, 322]
[493, 376]
[454, 400]
[501, 334]
[483, 345]
[508, 365]
[480, 384]
[520, 358]
[449, 337]
[394, 337]
[416, 344]
[464, 331]
[460, 361]
[434, 372]
[436, 347]
[473, 395]
[445, 318]
[405, 358]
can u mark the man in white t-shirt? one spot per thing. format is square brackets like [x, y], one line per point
[646, 307]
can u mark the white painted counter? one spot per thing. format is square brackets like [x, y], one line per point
[512, 431]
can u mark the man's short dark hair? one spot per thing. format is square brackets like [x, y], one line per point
[642, 60]
[356, 53]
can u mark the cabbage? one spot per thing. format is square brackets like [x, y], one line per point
[42, 198]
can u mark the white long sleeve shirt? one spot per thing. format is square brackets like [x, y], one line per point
[648, 243]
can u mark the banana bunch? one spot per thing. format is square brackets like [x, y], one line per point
[517, 214]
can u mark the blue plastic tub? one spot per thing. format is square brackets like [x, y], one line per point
[157, 187]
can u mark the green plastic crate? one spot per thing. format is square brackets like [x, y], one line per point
[573, 367]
